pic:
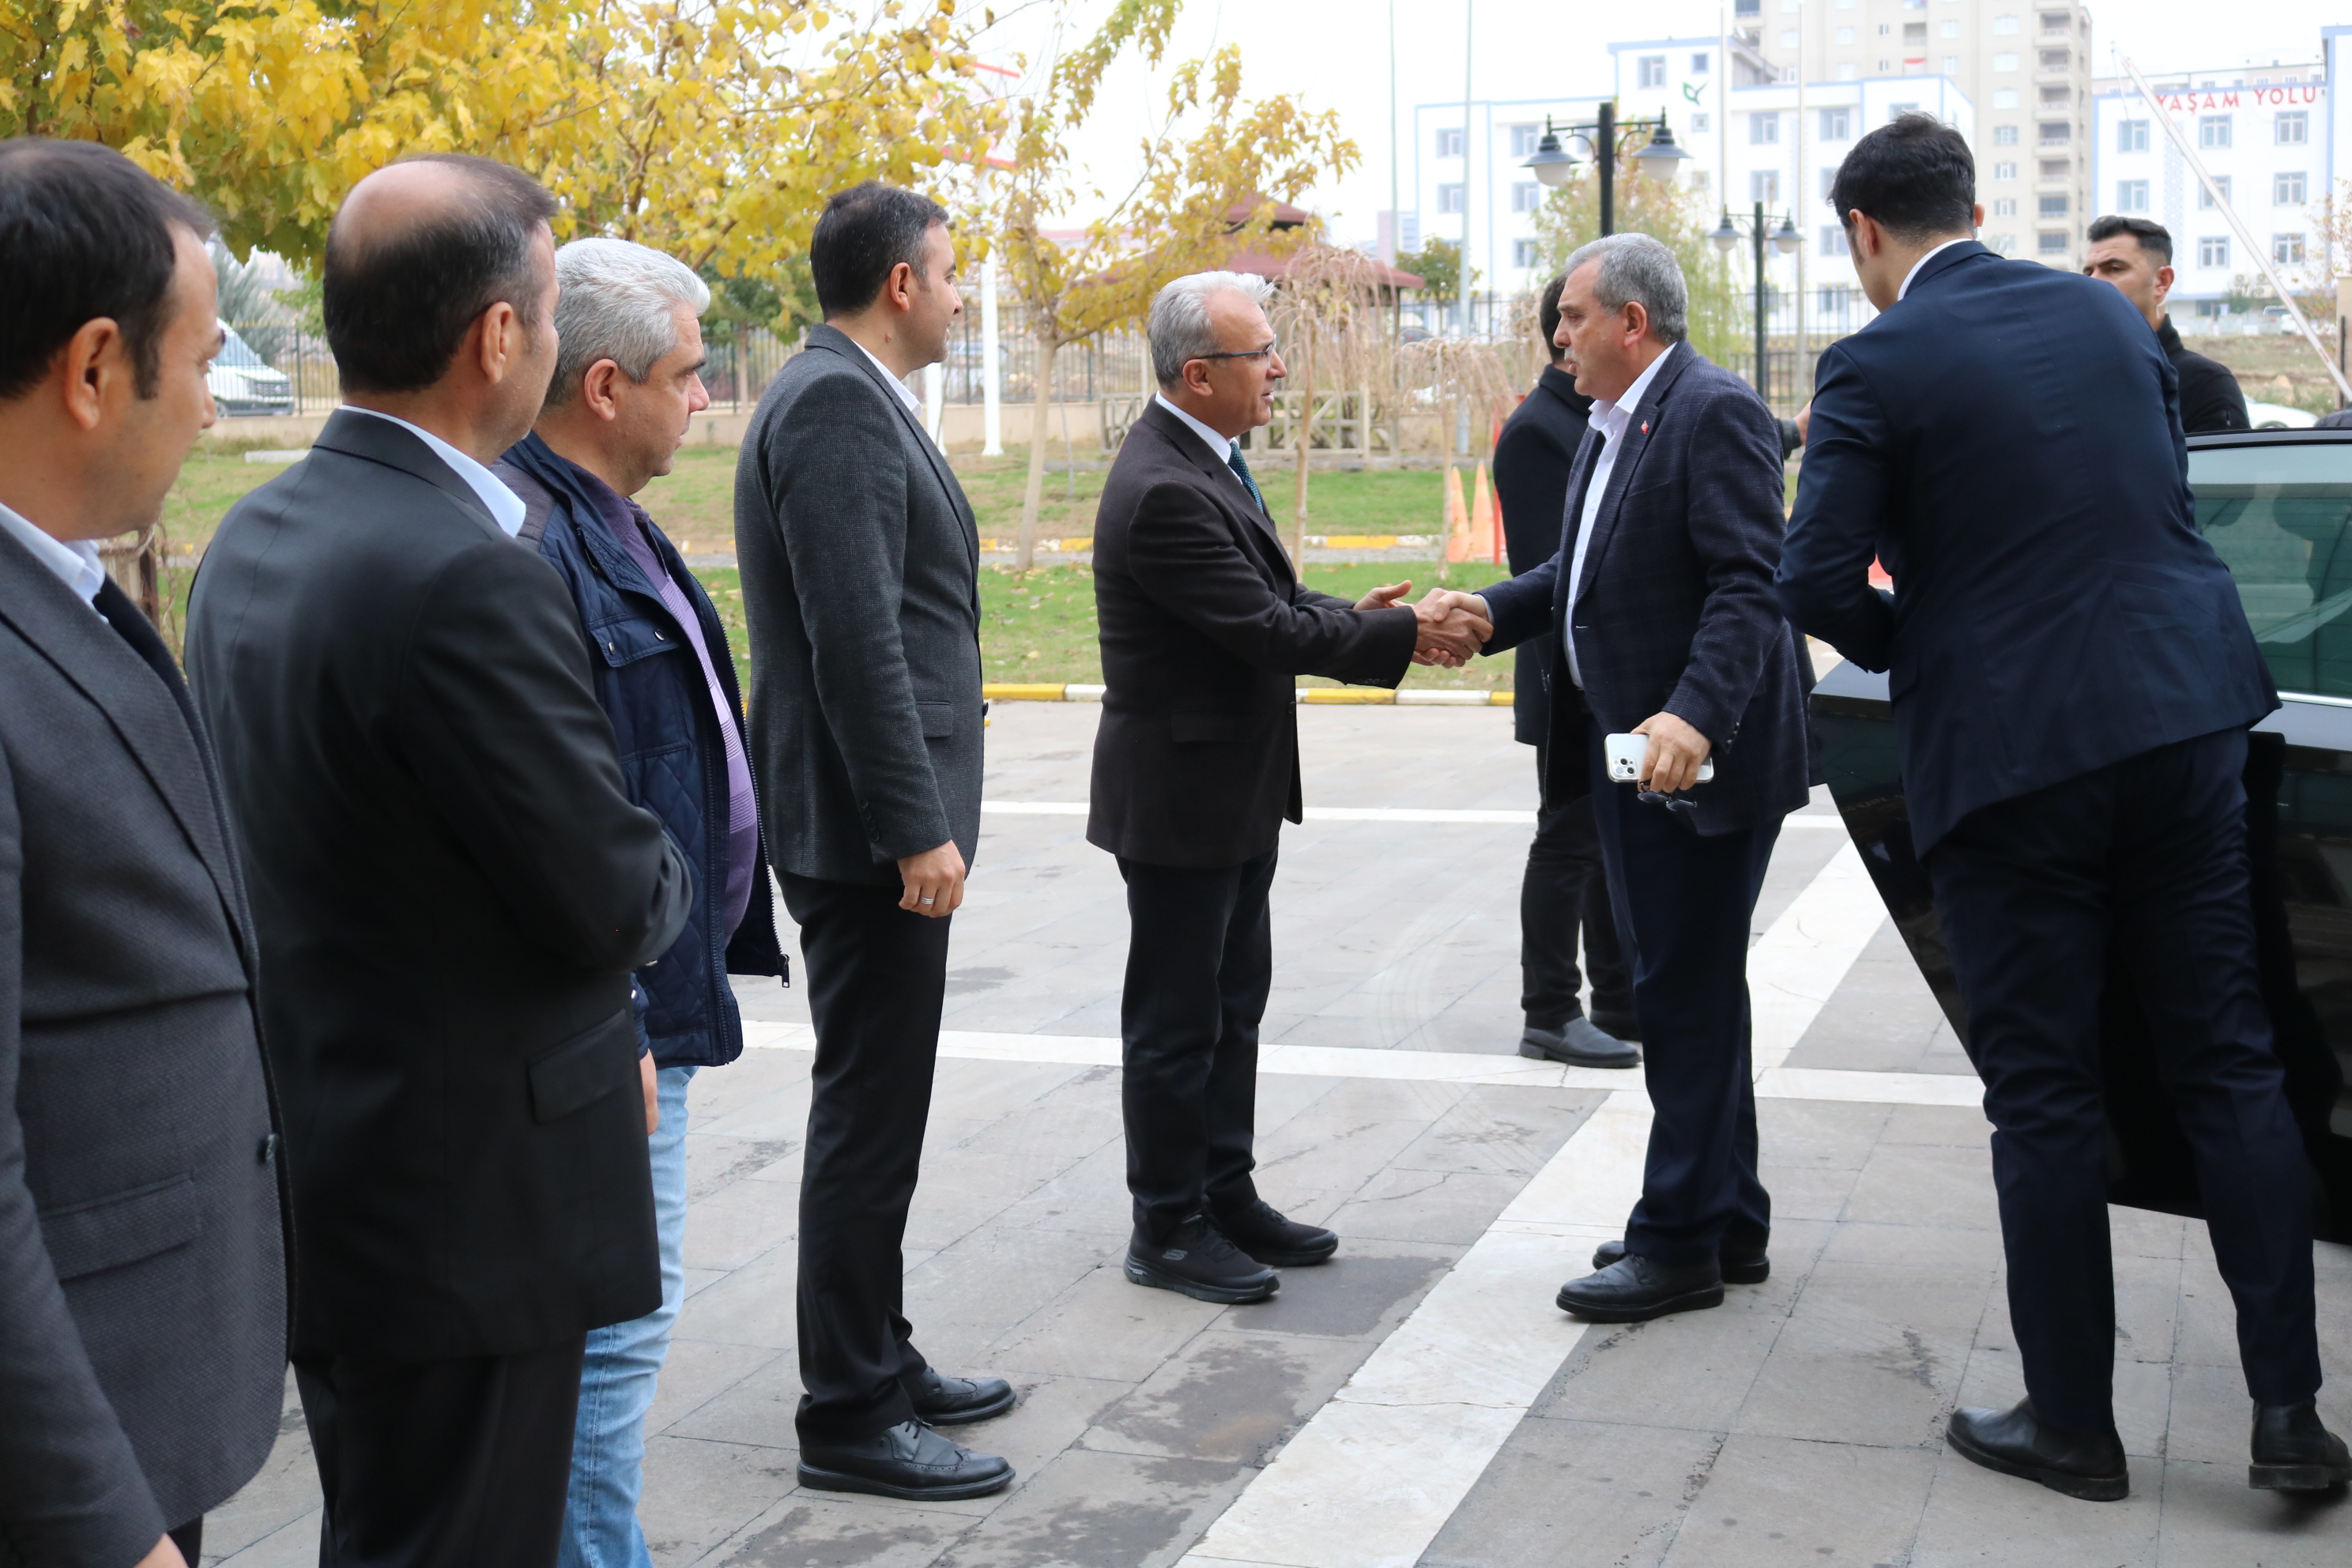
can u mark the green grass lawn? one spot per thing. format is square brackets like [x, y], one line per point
[1037, 628]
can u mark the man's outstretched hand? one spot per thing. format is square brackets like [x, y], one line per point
[1386, 597]
[1453, 626]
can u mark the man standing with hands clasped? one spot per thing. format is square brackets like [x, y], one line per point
[1661, 593]
[1204, 629]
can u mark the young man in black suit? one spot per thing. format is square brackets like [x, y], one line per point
[451, 888]
[142, 1287]
[2073, 678]
[1661, 591]
[2135, 254]
[1204, 629]
[1564, 886]
[861, 563]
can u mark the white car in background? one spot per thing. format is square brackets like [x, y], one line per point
[2278, 416]
[242, 383]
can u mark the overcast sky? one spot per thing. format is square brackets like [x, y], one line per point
[1335, 54]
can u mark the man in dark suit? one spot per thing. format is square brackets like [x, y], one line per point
[861, 563]
[142, 1285]
[1204, 629]
[450, 887]
[2135, 254]
[1564, 885]
[2072, 678]
[1663, 593]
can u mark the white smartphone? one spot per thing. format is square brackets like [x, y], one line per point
[1626, 752]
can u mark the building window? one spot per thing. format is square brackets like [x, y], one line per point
[2056, 22]
[1896, 112]
[2004, 25]
[1650, 70]
[2002, 244]
[2056, 168]
[2205, 198]
[2292, 127]
[1837, 124]
[1699, 123]
[1847, 70]
[2054, 133]
[1699, 63]
[1829, 182]
[1764, 185]
[2051, 242]
[2213, 250]
[2287, 250]
[2131, 196]
[1788, 38]
[2287, 190]
[1449, 143]
[2131, 136]
[1834, 239]
[2004, 63]
[1915, 32]
[1523, 139]
[1951, 29]
[1845, 38]
[2004, 171]
[2055, 59]
[1525, 253]
[2004, 206]
[1525, 196]
[2212, 131]
[2004, 98]
[1747, 7]
[2053, 207]
[1700, 182]
[2004, 135]
[1951, 65]
[1449, 198]
[1763, 128]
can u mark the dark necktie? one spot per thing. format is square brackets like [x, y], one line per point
[1234, 461]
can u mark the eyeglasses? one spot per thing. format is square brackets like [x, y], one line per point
[1240, 354]
[1671, 802]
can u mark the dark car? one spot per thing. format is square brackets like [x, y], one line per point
[2277, 505]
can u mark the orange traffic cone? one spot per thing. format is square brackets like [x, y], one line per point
[1486, 537]
[1457, 519]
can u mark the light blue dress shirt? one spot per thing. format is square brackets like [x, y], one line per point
[76, 564]
[506, 507]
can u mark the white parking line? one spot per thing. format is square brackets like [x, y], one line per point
[1802, 820]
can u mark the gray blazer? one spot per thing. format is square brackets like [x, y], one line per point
[860, 560]
[142, 1292]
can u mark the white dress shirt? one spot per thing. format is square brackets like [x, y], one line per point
[905, 393]
[506, 507]
[1611, 421]
[75, 565]
[1924, 260]
[1220, 447]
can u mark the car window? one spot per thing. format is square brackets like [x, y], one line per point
[2278, 516]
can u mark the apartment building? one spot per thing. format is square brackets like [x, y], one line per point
[2026, 68]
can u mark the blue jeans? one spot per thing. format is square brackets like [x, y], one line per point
[618, 1382]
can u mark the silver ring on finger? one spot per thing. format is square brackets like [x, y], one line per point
[930, 900]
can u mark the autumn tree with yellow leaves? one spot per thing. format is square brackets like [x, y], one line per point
[1212, 152]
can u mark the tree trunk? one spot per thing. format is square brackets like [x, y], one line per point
[1302, 438]
[1042, 399]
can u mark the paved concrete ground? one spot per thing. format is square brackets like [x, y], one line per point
[1798, 1423]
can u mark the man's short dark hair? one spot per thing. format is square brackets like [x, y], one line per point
[2153, 236]
[85, 232]
[865, 232]
[1547, 316]
[1914, 175]
[399, 306]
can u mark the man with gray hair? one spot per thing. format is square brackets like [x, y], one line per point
[1204, 629]
[1670, 638]
[626, 384]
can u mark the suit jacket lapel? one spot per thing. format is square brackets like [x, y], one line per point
[1636, 442]
[1197, 455]
[140, 709]
[835, 341]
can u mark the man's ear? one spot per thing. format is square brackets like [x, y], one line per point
[899, 289]
[1637, 320]
[596, 389]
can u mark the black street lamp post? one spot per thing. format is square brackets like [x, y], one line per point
[1661, 160]
[1785, 240]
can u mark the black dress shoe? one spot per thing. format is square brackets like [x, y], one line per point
[1625, 1025]
[1273, 1240]
[2016, 1443]
[1578, 1043]
[2293, 1452]
[909, 1461]
[957, 1401]
[1740, 1265]
[1197, 1259]
[1635, 1289]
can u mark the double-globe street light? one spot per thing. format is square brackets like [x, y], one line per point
[1661, 160]
[1785, 240]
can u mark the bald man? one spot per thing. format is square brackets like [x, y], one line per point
[450, 888]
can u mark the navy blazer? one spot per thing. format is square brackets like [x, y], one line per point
[2007, 440]
[1674, 611]
[673, 754]
[1535, 462]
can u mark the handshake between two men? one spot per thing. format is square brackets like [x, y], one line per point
[1452, 625]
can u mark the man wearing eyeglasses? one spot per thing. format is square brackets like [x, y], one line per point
[1205, 628]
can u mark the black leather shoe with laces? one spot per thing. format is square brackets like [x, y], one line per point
[956, 1401]
[1199, 1260]
[1741, 1265]
[909, 1461]
[1275, 1240]
[1635, 1289]
[2293, 1452]
[2089, 1466]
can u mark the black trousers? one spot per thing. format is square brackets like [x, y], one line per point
[1565, 887]
[1200, 960]
[1684, 903]
[877, 980]
[457, 1463]
[2144, 860]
